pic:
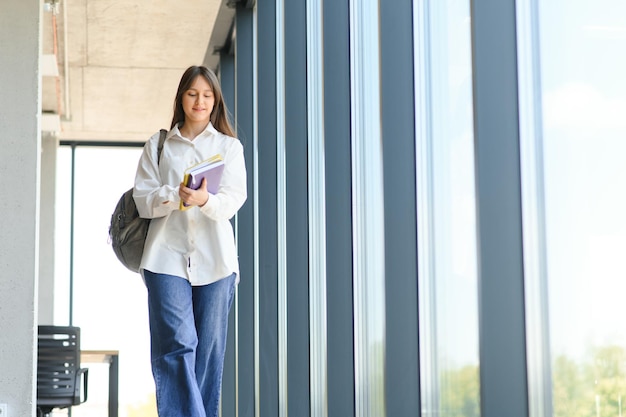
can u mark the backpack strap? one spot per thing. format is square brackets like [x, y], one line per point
[160, 148]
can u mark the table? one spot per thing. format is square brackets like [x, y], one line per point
[112, 358]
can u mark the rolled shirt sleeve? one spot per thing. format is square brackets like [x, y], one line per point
[152, 197]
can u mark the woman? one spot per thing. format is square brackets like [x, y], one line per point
[190, 264]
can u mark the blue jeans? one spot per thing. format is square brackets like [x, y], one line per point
[188, 327]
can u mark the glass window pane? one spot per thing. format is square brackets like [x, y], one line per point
[110, 303]
[449, 332]
[584, 108]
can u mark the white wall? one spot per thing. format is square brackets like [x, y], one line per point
[20, 34]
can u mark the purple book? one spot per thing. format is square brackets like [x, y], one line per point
[211, 169]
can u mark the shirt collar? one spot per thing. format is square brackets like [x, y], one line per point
[208, 131]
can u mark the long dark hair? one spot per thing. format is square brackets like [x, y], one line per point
[219, 115]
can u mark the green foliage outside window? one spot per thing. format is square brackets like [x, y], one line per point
[595, 388]
[460, 393]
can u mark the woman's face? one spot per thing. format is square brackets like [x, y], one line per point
[198, 102]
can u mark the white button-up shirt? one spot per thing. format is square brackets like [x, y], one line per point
[197, 243]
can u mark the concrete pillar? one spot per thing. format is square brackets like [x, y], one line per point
[20, 47]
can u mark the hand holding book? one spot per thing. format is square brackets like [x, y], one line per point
[210, 170]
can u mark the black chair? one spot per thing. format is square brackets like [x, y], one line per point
[61, 382]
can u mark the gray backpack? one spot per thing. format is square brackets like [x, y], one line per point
[128, 231]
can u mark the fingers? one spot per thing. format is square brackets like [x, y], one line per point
[193, 197]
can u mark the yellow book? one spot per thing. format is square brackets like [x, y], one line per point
[211, 169]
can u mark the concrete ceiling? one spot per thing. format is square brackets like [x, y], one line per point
[119, 62]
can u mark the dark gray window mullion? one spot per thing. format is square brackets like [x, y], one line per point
[338, 210]
[268, 267]
[227, 81]
[501, 276]
[298, 364]
[402, 350]
[244, 114]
